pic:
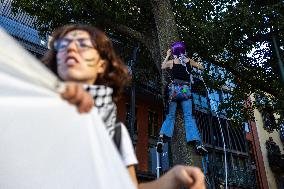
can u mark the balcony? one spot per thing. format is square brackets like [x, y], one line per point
[239, 165]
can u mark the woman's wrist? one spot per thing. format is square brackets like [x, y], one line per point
[200, 67]
[166, 59]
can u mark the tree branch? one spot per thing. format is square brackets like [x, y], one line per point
[245, 79]
[258, 38]
[123, 29]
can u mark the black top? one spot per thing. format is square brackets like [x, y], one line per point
[179, 72]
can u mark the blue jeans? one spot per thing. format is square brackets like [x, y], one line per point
[192, 133]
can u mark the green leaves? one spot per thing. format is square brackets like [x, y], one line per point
[219, 32]
[223, 33]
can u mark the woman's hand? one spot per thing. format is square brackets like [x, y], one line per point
[75, 94]
[189, 177]
[169, 52]
[177, 177]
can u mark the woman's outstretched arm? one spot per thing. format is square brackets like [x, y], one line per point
[195, 64]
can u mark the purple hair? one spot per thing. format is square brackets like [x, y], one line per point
[178, 48]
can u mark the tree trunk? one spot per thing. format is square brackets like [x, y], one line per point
[166, 28]
[165, 24]
[183, 153]
[179, 148]
[167, 33]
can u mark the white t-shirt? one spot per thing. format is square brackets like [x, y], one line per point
[126, 148]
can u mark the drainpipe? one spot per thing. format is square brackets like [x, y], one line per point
[133, 93]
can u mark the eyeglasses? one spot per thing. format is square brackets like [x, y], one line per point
[82, 44]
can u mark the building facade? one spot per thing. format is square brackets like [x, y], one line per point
[271, 146]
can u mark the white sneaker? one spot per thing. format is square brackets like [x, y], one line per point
[201, 149]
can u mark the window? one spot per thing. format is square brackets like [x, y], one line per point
[246, 127]
[268, 121]
[204, 103]
[242, 163]
[163, 158]
[152, 123]
[200, 101]
[214, 100]
[151, 159]
[282, 132]
[196, 100]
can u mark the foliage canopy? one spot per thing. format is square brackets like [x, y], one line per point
[232, 35]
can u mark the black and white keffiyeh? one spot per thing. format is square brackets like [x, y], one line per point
[106, 107]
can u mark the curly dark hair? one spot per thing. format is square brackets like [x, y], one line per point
[116, 73]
